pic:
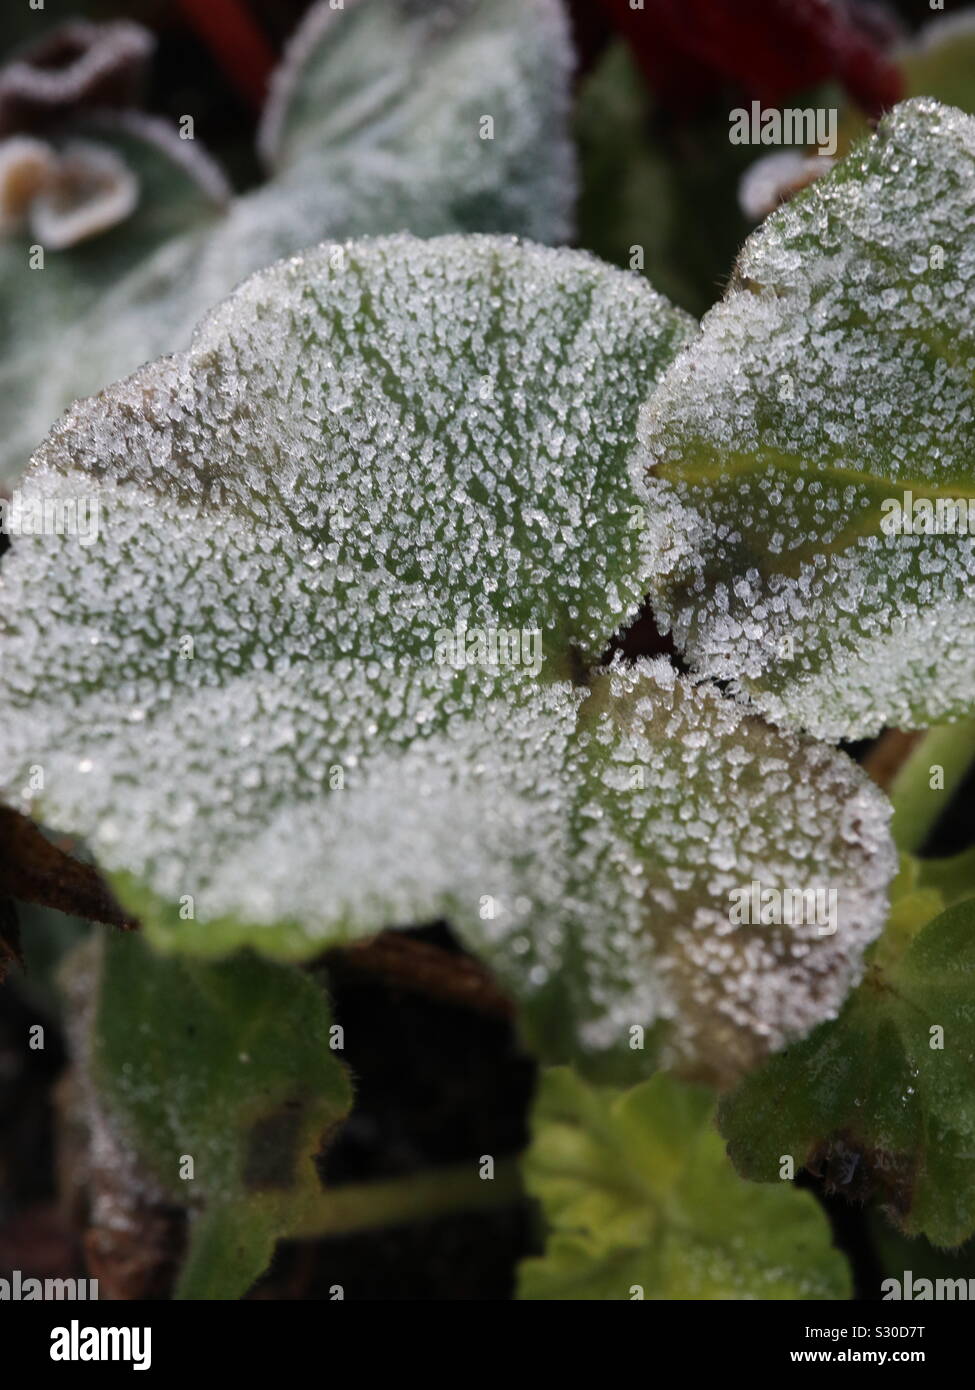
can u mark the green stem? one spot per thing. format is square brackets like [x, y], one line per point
[419, 1197]
[918, 805]
[233, 1242]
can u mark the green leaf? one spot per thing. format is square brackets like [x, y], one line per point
[248, 693]
[880, 1098]
[230, 1065]
[364, 448]
[641, 1202]
[365, 150]
[455, 111]
[684, 810]
[835, 378]
[927, 780]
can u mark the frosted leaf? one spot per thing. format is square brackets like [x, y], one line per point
[179, 188]
[180, 182]
[685, 804]
[91, 191]
[366, 151]
[26, 164]
[320, 669]
[775, 178]
[486, 83]
[75, 65]
[834, 379]
[368, 450]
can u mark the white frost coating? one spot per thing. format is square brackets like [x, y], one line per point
[92, 190]
[724, 800]
[364, 445]
[337, 81]
[774, 178]
[836, 374]
[415, 161]
[103, 50]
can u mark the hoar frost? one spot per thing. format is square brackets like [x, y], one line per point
[836, 374]
[235, 696]
[684, 798]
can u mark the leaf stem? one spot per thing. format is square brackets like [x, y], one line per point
[433, 1192]
[918, 805]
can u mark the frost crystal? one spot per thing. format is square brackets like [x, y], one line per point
[830, 392]
[316, 668]
[368, 450]
[686, 802]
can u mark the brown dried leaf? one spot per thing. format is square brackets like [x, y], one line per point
[35, 870]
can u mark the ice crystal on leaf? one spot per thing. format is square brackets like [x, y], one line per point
[368, 450]
[685, 802]
[834, 381]
[319, 672]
